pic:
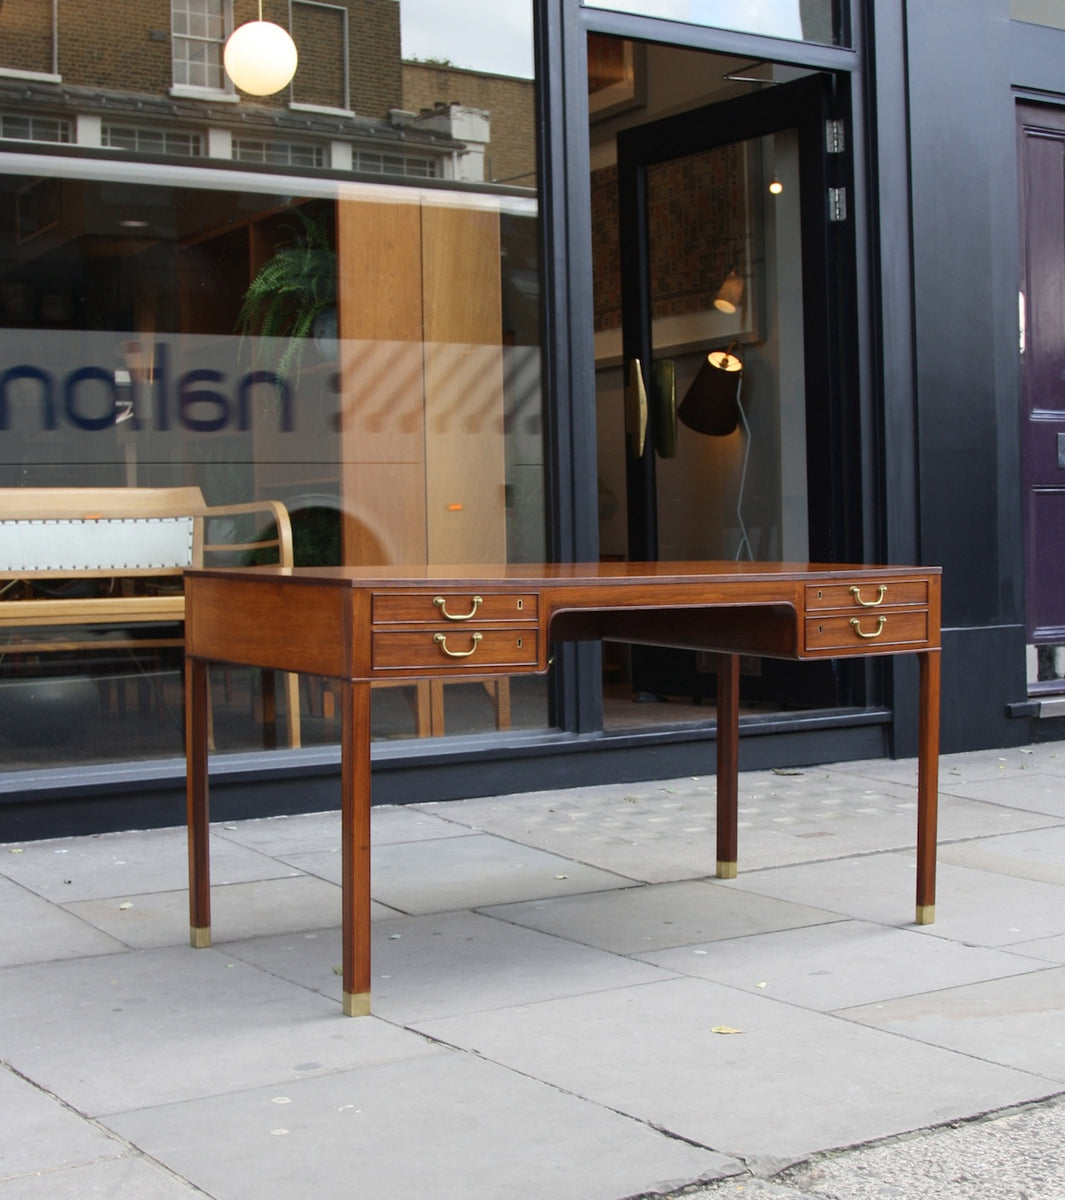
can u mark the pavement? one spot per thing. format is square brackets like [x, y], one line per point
[567, 1005]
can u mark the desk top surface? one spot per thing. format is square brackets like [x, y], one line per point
[562, 574]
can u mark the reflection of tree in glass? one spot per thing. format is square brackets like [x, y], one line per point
[294, 293]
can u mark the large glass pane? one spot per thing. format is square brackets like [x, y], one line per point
[801, 20]
[362, 350]
[723, 227]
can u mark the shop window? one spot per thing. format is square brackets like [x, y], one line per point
[365, 351]
[199, 33]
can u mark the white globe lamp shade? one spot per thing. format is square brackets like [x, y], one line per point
[260, 58]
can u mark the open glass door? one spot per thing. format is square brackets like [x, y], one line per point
[716, 366]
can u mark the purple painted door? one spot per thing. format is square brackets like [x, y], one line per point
[1042, 165]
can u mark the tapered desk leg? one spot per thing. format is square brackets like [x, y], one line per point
[196, 732]
[927, 787]
[355, 845]
[728, 763]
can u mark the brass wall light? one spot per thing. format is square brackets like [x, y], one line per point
[730, 294]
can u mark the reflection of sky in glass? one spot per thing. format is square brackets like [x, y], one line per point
[485, 35]
[779, 18]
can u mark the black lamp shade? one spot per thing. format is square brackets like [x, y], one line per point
[711, 404]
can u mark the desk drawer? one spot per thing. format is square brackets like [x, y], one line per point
[866, 593]
[459, 649]
[452, 607]
[869, 632]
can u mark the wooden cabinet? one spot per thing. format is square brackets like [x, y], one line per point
[422, 457]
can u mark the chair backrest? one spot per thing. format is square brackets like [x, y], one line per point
[57, 531]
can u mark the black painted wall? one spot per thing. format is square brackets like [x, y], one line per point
[963, 177]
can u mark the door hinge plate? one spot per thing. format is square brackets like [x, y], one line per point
[837, 204]
[834, 138]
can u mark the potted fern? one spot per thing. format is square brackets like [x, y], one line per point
[294, 293]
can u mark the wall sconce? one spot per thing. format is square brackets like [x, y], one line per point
[260, 57]
[730, 293]
[775, 186]
[711, 404]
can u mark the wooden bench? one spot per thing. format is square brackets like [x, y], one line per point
[135, 542]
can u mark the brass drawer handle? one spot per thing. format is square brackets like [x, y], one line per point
[441, 641]
[856, 625]
[441, 604]
[881, 592]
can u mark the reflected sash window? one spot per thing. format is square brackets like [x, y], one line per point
[199, 34]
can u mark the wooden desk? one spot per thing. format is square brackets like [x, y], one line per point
[363, 625]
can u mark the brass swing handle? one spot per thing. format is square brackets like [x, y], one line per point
[881, 592]
[441, 641]
[441, 603]
[856, 625]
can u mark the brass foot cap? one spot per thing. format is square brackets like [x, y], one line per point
[726, 870]
[199, 936]
[356, 1004]
[926, 914]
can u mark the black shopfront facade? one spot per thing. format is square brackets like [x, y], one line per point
[873, 179]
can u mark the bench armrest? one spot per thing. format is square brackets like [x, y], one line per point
[278, 513]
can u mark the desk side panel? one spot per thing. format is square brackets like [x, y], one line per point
[279, 625]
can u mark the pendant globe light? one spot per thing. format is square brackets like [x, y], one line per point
[260, 57]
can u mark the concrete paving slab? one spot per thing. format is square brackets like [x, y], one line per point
[817, 966]
[1019, 1022]
[37, 931]
[450, 1127]
[1050, 949]
[239, 910]
[1034, 854]
[663, 832]
[977, 908]
[972, 765]
[309, 832]
[124, 864]
[115, 1033]
[464, 872]
[1035, 792]
[790, 1082]
[40, 1134]
[450, 963]
[134, 1177]
[639, 919]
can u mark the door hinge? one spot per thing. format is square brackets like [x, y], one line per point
[834, 141]
[837, 204]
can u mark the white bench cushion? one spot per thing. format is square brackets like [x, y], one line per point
[105, 544]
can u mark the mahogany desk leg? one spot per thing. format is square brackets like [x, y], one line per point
[927, 786]
[728, 762]
[355, 845]
[196, 730]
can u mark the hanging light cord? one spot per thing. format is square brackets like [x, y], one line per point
[744, 539]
